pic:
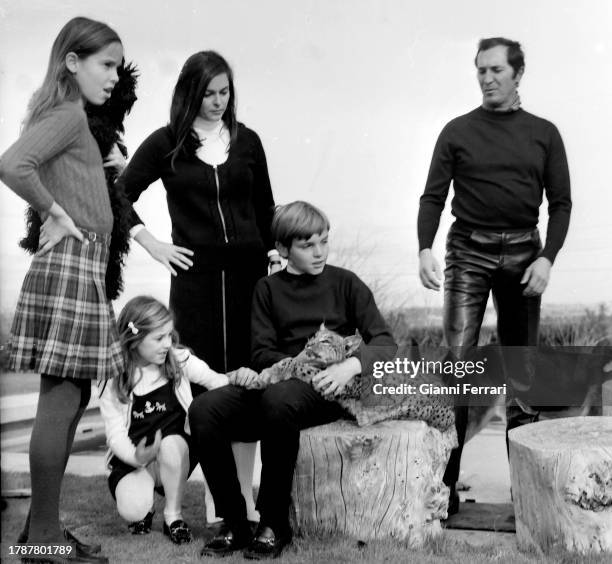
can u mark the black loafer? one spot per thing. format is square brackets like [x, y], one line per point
[81, 546]
[81, 549]
[226, 542]
[97, 558]
[178, 531]
[77, 557]
[266, 544]
[142, 527]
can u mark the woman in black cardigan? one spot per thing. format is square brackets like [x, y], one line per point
[221, 205]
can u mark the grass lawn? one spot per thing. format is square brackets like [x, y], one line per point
[89, 511]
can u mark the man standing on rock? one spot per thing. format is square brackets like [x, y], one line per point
[501, 160]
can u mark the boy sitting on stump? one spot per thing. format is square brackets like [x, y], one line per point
[288, 308]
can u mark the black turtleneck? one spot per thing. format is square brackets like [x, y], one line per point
[500, 164]
[289, 308]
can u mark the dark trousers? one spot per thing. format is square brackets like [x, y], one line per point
[275, 416]
[212, 312]
[479, 263]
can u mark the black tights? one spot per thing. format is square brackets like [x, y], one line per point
[61, 404]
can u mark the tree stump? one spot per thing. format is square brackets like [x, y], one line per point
[561, 474]
[606, 396]
[380, 481]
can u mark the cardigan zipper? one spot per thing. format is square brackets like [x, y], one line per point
[219, 204]
[224, 321]
[223, 306]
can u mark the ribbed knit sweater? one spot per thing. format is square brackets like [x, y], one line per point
[500, 164]
[57, 159]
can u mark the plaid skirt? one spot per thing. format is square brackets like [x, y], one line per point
[64, 325]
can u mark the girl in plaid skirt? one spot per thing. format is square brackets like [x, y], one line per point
[64, 326]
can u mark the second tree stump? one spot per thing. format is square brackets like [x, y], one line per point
[561, 472]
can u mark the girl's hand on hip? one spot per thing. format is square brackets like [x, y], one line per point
[145, 454]
[57, 226]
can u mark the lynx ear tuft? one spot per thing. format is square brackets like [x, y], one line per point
[351, 344]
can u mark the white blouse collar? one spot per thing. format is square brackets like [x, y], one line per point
[206, 130]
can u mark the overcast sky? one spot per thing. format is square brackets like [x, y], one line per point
[348, 98]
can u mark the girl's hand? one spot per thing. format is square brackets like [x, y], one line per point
[166, 253]
[115, 159]
[242, 377]
[57, 226]
[145, 454]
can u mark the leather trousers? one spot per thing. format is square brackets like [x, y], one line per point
[479, 263]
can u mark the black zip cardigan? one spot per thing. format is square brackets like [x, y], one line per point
[245, 198]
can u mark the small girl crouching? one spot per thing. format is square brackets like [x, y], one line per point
[145, 417]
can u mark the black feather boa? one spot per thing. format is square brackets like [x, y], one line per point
[106, 125]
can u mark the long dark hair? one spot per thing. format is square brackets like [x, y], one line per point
[106, 125]
[195, 76]
[81, 36]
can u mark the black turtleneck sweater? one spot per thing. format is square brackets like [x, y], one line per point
[500, 164]
[289, 308]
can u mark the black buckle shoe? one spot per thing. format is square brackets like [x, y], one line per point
[226, 542]
[266, 544]
[83, 547]
[178, 531]
[142, 527]
[80, 556]
[76, 557]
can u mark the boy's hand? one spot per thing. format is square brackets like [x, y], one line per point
[242, 377]
[332, 381]
[145, 454]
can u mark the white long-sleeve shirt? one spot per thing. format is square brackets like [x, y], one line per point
[116, 415]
